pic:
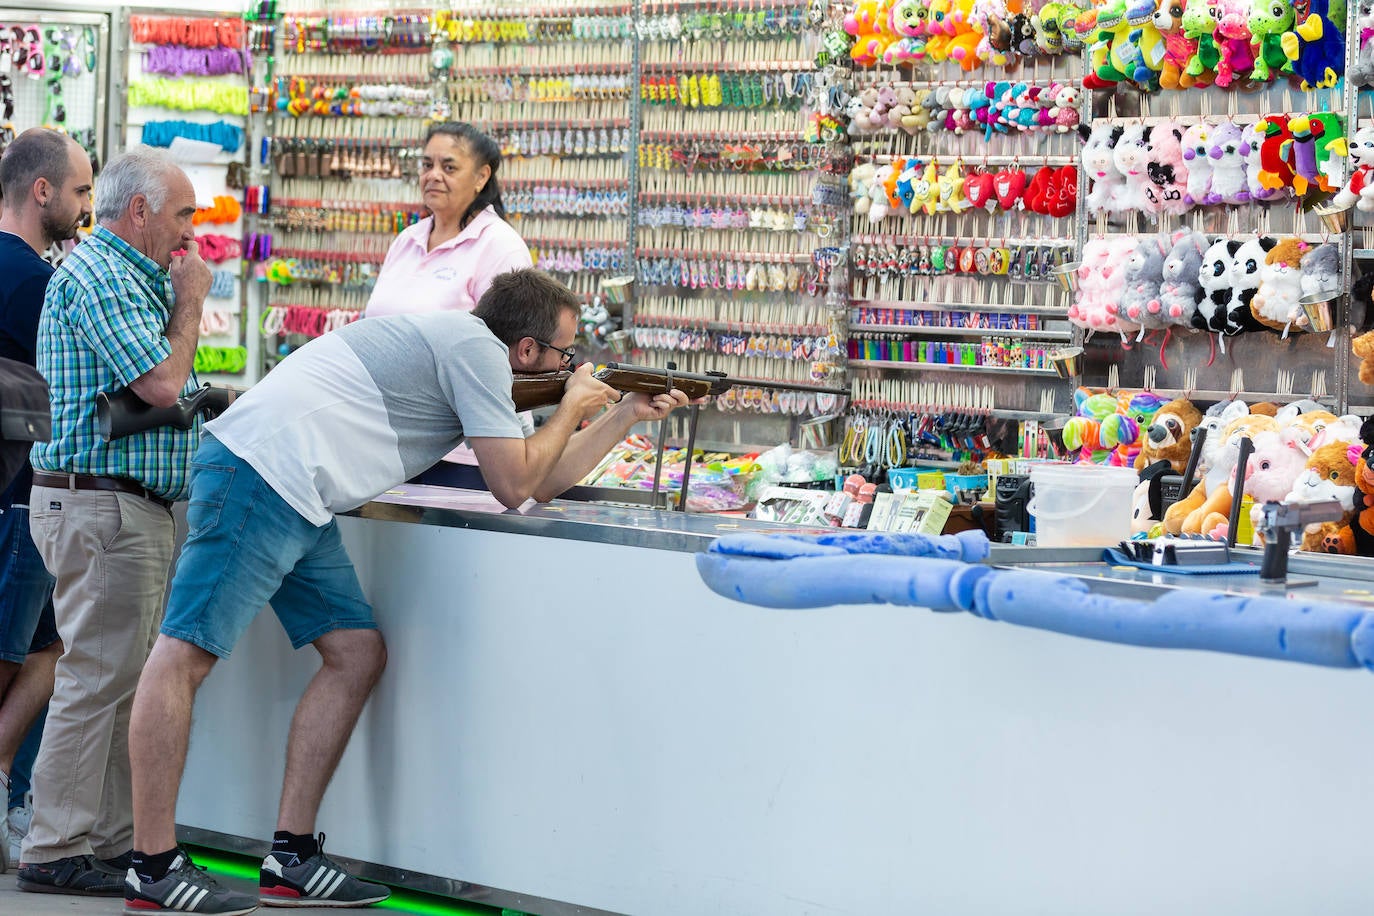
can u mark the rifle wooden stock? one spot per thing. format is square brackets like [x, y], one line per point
[122, 413]
[543, 389]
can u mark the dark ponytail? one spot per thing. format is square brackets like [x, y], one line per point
[484, 151]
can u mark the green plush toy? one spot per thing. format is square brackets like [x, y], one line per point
[1199, 22]
[1270, 22]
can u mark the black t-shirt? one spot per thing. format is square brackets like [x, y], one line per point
[23, 281]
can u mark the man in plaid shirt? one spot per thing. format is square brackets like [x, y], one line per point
[121, 311]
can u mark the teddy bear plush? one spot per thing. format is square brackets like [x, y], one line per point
[1196, 143]
[1275, 303]
[1099, 162]
[1228, 166]
[1328, 474]
[1168, 438]
[1363, 348]
[1144, 273]
[1180, 289]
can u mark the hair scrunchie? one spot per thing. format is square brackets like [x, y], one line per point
[217, 248]
[227, 360]
[189, 95]
[161, 133]
[222, 284]
[179, 60]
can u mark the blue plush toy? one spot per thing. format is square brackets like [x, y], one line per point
[1317, 42]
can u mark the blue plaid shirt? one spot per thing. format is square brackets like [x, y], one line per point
[104, 321]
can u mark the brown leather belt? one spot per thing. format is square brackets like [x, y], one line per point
[89, 482]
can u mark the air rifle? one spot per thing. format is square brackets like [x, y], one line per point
[122, 413]
[543, 389]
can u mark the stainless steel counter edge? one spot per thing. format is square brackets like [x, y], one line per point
[657, 529]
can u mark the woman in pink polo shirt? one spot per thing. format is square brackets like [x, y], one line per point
[448, 260]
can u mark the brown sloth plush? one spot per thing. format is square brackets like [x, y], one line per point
[1167, 437]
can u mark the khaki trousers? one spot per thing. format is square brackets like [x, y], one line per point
[110, 553]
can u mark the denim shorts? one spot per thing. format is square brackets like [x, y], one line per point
[246, 547]
[26, 614]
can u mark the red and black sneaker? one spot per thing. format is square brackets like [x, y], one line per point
[317, 881]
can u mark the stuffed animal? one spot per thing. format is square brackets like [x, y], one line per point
[1167, 436]
[1233, 41]
[1227, 157]
[1214, 420]
[1063, 191]
[1275, 303]
[1009, 184]
[1119, 61]
[1179, 289]
[1134, 414]
[1320, 280]
[1101, 282]
[1065, 108]
[1252, 141]
[1199, 25]
[1131, 156]
[1168, 177]
[1363, 348]
[1245, 279]
[1216, 508]
[1362, 527]
[1083, 431]
[1275, 171]
[1332, 151]
[1329, 474]
[1361, 71]
[1105, 195]
[1269, 21]
[1178, 47]
[1148, 42]
[1144, 273]
[1359, 188]
[1361, 306]
[1271, 471]
[1148, 499]
[1301, 151]
[1317, 45]
[1196, 143]
[1218, 267]
[907, 21]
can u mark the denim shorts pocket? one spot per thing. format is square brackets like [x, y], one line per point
[209, 487]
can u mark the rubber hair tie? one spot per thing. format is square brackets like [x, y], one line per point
[222, 284]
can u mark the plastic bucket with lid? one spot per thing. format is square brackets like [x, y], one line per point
[1081, 505]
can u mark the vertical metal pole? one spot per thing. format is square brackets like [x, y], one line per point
[687, 463]
[662, 439]
[1341, 325]
[636, 123]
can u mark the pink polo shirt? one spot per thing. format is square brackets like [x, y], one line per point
[452, 276]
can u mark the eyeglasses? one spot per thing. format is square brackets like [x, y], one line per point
[569, 354]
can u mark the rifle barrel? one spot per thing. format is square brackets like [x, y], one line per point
[720, 382]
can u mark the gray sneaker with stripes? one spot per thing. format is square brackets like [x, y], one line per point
[317, 881]
[184, 889]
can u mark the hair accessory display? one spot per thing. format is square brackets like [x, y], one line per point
[161, 133]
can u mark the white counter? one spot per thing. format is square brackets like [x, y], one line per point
[570, 725]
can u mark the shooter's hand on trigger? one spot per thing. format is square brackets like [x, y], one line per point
[191, 276]
[587, 394]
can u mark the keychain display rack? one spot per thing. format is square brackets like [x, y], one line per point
[340, 98]
[187, 77]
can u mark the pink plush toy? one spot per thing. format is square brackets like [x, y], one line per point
[1168, 185]
[1233, 41]
[1102, 282]
[1271, 470]
[1131, 156]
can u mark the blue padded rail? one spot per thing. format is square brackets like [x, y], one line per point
[791, 571]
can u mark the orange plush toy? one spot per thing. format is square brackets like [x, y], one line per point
[1362, 528]
[1216, 508]
[1330, 474]
[1363, 348]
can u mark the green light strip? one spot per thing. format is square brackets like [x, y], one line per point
[401, 901]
